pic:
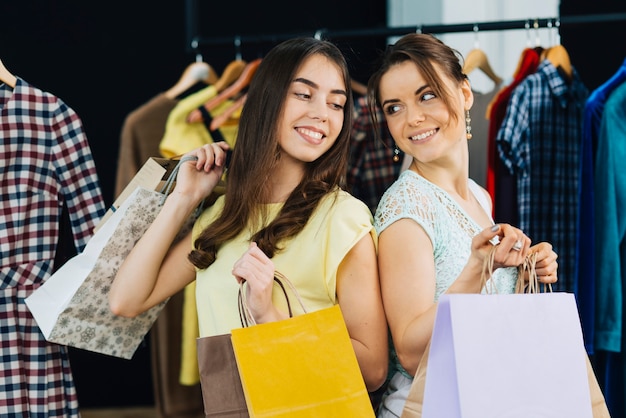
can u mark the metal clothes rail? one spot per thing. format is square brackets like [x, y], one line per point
[196, 42]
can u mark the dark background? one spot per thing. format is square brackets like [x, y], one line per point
[104, 59]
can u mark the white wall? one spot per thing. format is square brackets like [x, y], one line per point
[503, 48]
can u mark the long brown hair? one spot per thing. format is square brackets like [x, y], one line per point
[257, 151]
[424, 50]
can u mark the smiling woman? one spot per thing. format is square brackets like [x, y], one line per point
[283, 211]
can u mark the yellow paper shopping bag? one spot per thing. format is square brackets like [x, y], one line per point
[303, 366]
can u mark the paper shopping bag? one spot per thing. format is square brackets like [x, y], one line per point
[303, 366]
[222, 393]
[514, 355]
[72, 308]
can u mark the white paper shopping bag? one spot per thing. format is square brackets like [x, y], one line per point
[72, 308]
[507, 356]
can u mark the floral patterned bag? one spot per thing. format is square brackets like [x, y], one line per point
[72, 308]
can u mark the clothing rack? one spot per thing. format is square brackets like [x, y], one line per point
[194, 42]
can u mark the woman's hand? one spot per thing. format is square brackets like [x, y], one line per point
[257, 270]
[545, 265]
[197, 179]
[512, 245]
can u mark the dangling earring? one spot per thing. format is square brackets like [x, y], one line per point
[396, 154]
[468, 125]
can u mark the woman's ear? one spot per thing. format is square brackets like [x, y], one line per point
[468, 95]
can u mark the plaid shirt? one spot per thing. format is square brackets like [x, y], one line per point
[371, 169]
[539, 141]
[46, 163]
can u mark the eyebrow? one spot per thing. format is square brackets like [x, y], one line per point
[418, 91]
[316, 86]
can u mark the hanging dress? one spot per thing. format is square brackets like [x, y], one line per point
[45, 164]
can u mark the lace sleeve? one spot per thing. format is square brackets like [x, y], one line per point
[406, 199]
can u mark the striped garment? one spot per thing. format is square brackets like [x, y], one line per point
[45, 164]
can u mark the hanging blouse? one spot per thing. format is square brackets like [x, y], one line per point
[46, 164]
[539, 143]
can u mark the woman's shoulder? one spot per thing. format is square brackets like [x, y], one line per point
[410, 196]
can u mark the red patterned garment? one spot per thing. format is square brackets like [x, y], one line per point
[45, 164]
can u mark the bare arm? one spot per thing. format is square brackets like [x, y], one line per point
[407, 274]
[358, 291]
[155, 270]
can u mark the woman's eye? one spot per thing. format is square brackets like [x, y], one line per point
[304, 96]
[428, 96]
[391, 109]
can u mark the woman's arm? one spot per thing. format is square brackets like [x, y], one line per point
[358, 291]
[408, 278]
[155, 270]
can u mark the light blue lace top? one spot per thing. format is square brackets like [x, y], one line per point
[447, 224]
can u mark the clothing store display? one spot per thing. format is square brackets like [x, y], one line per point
[372, 166]
[181, 136]
[501, 185]
[142, 131]
[543, 125]
[48, 167]
[587, 298]
[610, 190]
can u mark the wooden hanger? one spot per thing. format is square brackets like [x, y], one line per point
[225, 117]
[241, 83]
[559, 57]
[194, 73]
[477, 58]
[231, 73]
[6, 77]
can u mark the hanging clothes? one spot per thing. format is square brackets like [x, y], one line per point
[478, 145]
[610, 233]
[587, 256]
[371, 165]
[501, 184]
[539, 143]
[141, 135]
[181, 137]
[46, 164]
[142, 131]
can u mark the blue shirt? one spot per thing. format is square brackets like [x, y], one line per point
[539, 141]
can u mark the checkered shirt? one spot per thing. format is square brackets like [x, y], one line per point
[371, 169]
[45, 162]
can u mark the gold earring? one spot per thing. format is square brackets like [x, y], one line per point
[396, 154]
[468, 125]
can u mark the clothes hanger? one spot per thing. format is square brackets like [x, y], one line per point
[477, 58]
[559, 57]
[225, 117]
[195, 72]
[240, 84]
[6, 77]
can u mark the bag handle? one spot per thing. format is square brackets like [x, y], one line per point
[168, 186]
[244, 310]
[527, 266]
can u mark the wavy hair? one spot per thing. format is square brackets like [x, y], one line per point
[257, 152]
